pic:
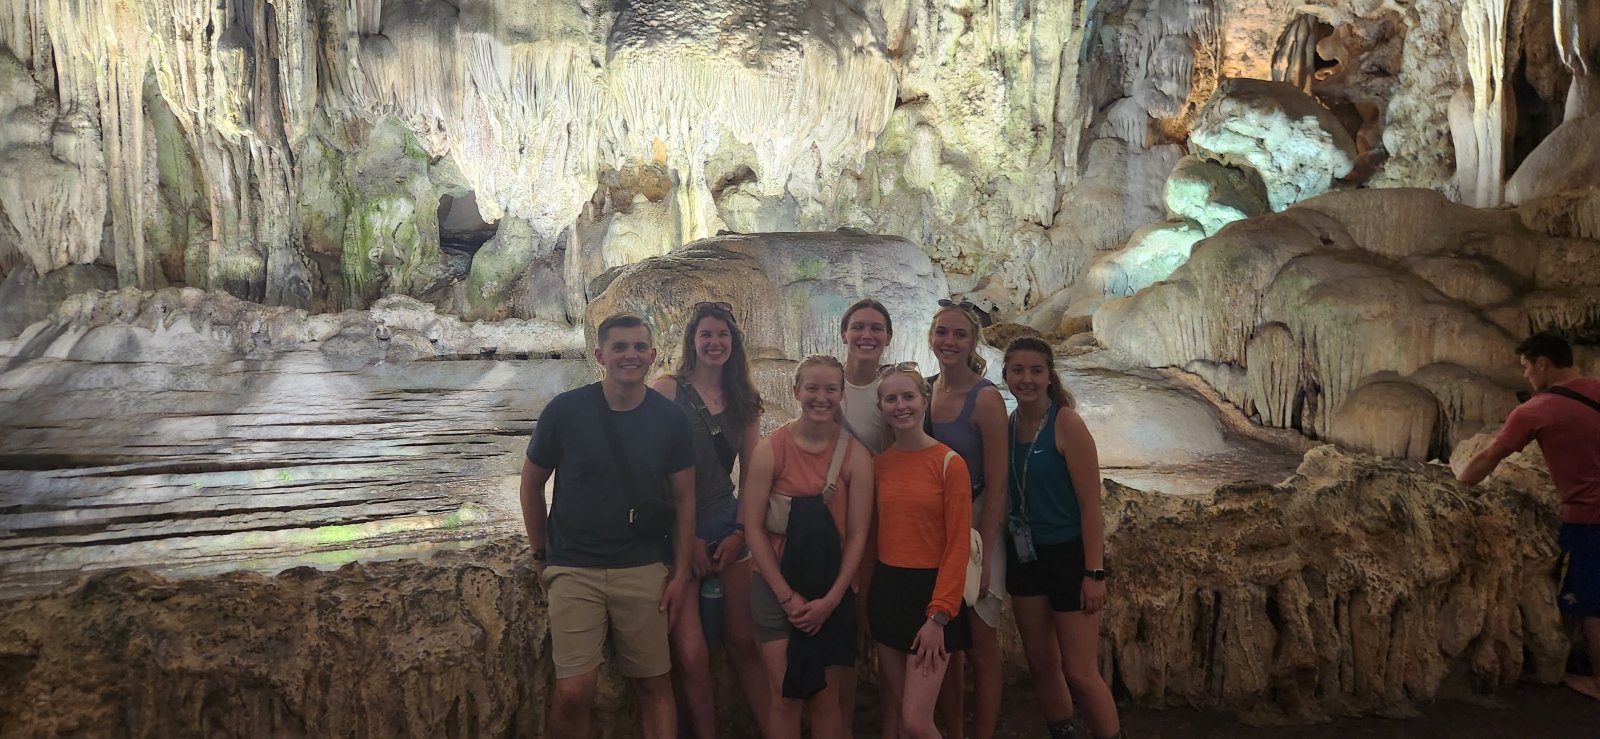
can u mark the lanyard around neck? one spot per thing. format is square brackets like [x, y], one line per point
[1033, 446]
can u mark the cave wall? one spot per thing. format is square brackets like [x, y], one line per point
[297, 152]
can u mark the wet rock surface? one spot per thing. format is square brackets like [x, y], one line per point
[216, 434]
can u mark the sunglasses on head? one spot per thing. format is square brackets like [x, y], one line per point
[890, 369]
[720, 305]
[965, 305]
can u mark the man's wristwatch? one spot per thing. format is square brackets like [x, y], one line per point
[940, 619]
[1098, 575]
[538, 554]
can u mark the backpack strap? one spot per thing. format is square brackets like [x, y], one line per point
[1567, 392]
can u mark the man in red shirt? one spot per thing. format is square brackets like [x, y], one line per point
[1564, 416]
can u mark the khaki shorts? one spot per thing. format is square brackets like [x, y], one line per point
[991, 601]
[586, 602]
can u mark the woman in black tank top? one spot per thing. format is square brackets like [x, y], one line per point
[713, 386]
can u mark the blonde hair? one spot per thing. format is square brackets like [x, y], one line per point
[814, 360]
[974, 362]
[916, 377]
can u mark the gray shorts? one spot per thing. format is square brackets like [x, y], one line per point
[772, 624]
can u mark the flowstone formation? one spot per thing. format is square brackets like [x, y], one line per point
[1384, 320]
[789, 291]
[1356, 586]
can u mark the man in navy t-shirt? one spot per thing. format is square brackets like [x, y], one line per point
[599, 573]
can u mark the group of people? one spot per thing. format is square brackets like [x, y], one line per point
[898, 507]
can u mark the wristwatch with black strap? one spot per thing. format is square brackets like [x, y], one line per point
[940, 619]
[1096, 575]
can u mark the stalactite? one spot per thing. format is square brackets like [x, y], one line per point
[1295, 57]
[1577, 30]
[1483, 22]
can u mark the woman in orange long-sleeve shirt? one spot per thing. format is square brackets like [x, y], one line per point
[924, 519]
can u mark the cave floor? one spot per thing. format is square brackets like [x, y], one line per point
[1532, 711]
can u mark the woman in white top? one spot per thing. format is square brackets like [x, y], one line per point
[866, 331]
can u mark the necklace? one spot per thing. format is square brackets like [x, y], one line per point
[1033, 446]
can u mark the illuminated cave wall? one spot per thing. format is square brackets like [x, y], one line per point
[306, 152]
[1053, 158]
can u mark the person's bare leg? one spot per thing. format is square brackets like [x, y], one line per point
[1079, 636]
[1036, 627]
[1589, 685]
[573, 703]
[986, 678]
[822, 710]
[953, 695]
[838, 677]
[891, 688]
[783, 715]
[919, 691]
[658, 706]
[740, 636]
[692, 666]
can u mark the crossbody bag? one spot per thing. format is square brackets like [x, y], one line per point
[649, 517]
[719, 440]
[1575, 395]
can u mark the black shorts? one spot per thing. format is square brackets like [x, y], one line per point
[897, 607]
[1057, 573]
[1580, 562]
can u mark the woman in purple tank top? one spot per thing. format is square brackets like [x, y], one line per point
[968, 415]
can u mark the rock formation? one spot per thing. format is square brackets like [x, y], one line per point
[1356, 586]
[1363, 287]
[789, 291]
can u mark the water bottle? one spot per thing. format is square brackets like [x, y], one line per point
[711, 611]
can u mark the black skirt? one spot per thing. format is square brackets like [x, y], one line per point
[897, 607]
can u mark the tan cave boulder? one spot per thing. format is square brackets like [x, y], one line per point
[789, 290]
[1354, 587]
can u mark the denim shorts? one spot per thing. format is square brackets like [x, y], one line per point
[716, 522]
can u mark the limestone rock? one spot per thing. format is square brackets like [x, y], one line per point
[1295, 145]
[1214, 195]
[1329, 295]
[1150, 257]
[1356, 585]
[1566, 161]
[27, 297]
[1389, 418]
[789, 291]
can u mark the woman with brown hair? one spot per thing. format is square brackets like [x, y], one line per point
[712, 384]
[1055, 571]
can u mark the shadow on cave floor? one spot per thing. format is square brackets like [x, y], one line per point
[1533, 711]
